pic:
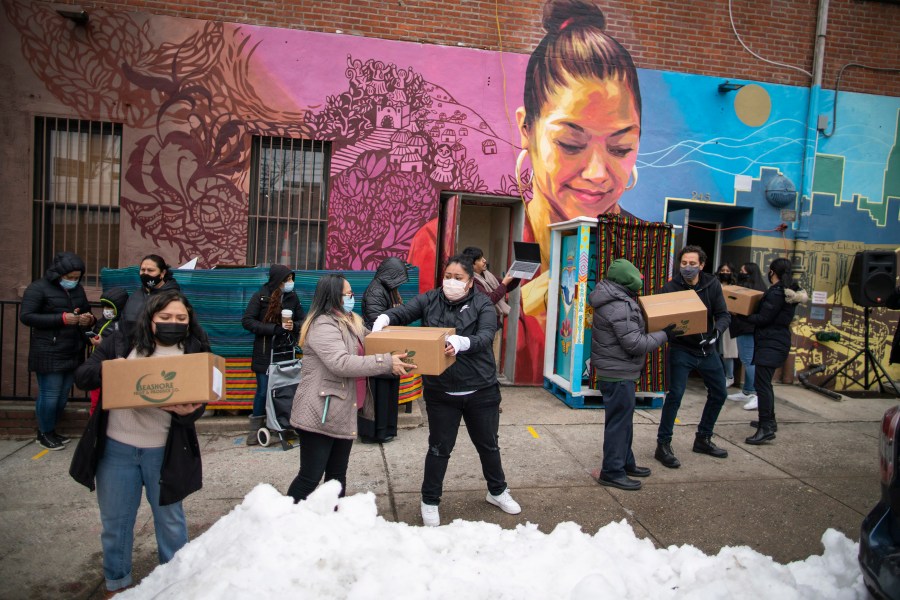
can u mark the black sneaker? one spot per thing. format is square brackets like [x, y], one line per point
[59, 438]
[48, 442]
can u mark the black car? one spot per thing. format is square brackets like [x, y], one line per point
[879, 539]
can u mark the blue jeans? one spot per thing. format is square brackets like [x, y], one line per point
[728, 363]
[122, 472]
[259, 400]
[481, 412]
[681, 363]
[745, 354]
[53, 393]
[618, 432]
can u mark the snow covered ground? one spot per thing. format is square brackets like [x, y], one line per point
[269, 547]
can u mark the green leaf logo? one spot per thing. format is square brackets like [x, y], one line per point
[168, 376]
[410, 353]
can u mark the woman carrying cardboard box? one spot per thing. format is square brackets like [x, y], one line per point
[153, 449]
[467, 390]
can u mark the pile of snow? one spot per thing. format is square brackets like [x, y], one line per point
[269, 547]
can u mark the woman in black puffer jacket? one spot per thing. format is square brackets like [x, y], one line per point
[273, 339]
[772, 341]
[58, 312]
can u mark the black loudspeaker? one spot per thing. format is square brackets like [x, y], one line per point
[873, 277]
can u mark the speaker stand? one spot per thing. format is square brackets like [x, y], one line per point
[868, 357]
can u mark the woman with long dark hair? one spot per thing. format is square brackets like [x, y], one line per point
[772, 341]
[727, 345]
[333, 385]
[467, 390]
[142, 449]
[742, 331]
[274, 337]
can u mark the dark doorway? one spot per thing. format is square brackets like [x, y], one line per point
[705, 235]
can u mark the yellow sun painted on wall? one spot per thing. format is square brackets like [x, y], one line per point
[753, 105]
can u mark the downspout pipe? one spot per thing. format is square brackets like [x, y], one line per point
[812, 127]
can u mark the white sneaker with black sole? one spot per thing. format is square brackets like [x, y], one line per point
[753, 404]
[48, 442]
[505, 502]
[741, 397]
[431, 515]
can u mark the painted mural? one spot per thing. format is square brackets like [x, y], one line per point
[408, 122]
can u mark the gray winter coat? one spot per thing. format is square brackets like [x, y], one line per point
[619, 346]
[331, 364]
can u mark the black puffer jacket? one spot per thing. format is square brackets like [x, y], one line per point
[377, 298]
[138, 300]
[182, 469]
[619, 346]
[266, 333]
[717, 316]
[473, 317]
[772, 320]
[55, 346]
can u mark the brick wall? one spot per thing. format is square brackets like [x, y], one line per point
[675, 35]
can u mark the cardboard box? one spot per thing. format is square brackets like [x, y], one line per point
[685, 309]
[163, 380]
[741, 300]
[425, 345]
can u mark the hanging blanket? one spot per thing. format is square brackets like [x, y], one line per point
[648, 246]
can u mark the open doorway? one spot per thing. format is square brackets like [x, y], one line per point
[491, 223]
[720, 230]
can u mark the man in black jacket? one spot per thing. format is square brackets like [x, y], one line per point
[698, 351]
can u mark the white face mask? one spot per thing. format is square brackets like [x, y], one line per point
[109, 314]
[455, 290]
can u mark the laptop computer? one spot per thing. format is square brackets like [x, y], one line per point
[528, 260]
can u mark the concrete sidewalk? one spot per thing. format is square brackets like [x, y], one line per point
[821, 472]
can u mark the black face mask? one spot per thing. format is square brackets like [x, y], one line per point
[725, 277]
[170, 334]
[149, 281]
[743, 277]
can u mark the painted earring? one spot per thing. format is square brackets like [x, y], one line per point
[519, 161]
[634, 174]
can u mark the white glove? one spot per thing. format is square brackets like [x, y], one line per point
[459, 343]
[380, 323]
[710, 341]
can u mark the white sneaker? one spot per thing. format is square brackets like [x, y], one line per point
[753, 404]
[505, 502]
[741, 397]
[729, 381]
[431, 515]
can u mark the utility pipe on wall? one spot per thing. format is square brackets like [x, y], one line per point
[804, 207]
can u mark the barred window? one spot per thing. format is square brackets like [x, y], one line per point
[288, 205]
[76, 187]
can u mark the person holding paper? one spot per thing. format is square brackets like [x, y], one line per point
[333, 385]
[697, 351]
[274, 335]
[130, 450]
[467, 390]
[619, 349]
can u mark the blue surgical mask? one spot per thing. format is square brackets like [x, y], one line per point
[349, 303]
[288, 287]
[68, 284]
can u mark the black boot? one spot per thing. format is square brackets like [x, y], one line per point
[255, 424]
[665, 455]
[703, 445]
[764, 433]
[755, 425]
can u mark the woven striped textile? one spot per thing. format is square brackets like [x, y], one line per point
[219, 298]
[648, 246]
[410, 388]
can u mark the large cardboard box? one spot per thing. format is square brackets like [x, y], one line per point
[685, 309]
[163, 380]
[741, 300]
[424, 345]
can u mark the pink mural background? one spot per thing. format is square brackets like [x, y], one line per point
[191, 94]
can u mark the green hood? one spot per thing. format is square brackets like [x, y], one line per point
[624, 273]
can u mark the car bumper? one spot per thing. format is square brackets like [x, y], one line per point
[879, 553]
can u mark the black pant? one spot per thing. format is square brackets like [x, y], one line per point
[765, 396]
[618, 432]
[480, 411]
[320, 454]
[386, 393]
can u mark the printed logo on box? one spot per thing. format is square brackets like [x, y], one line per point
[158, 389]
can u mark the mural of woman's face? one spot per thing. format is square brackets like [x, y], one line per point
[583, 146]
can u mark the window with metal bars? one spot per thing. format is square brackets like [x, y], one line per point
[288, 202]
[77, 171]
